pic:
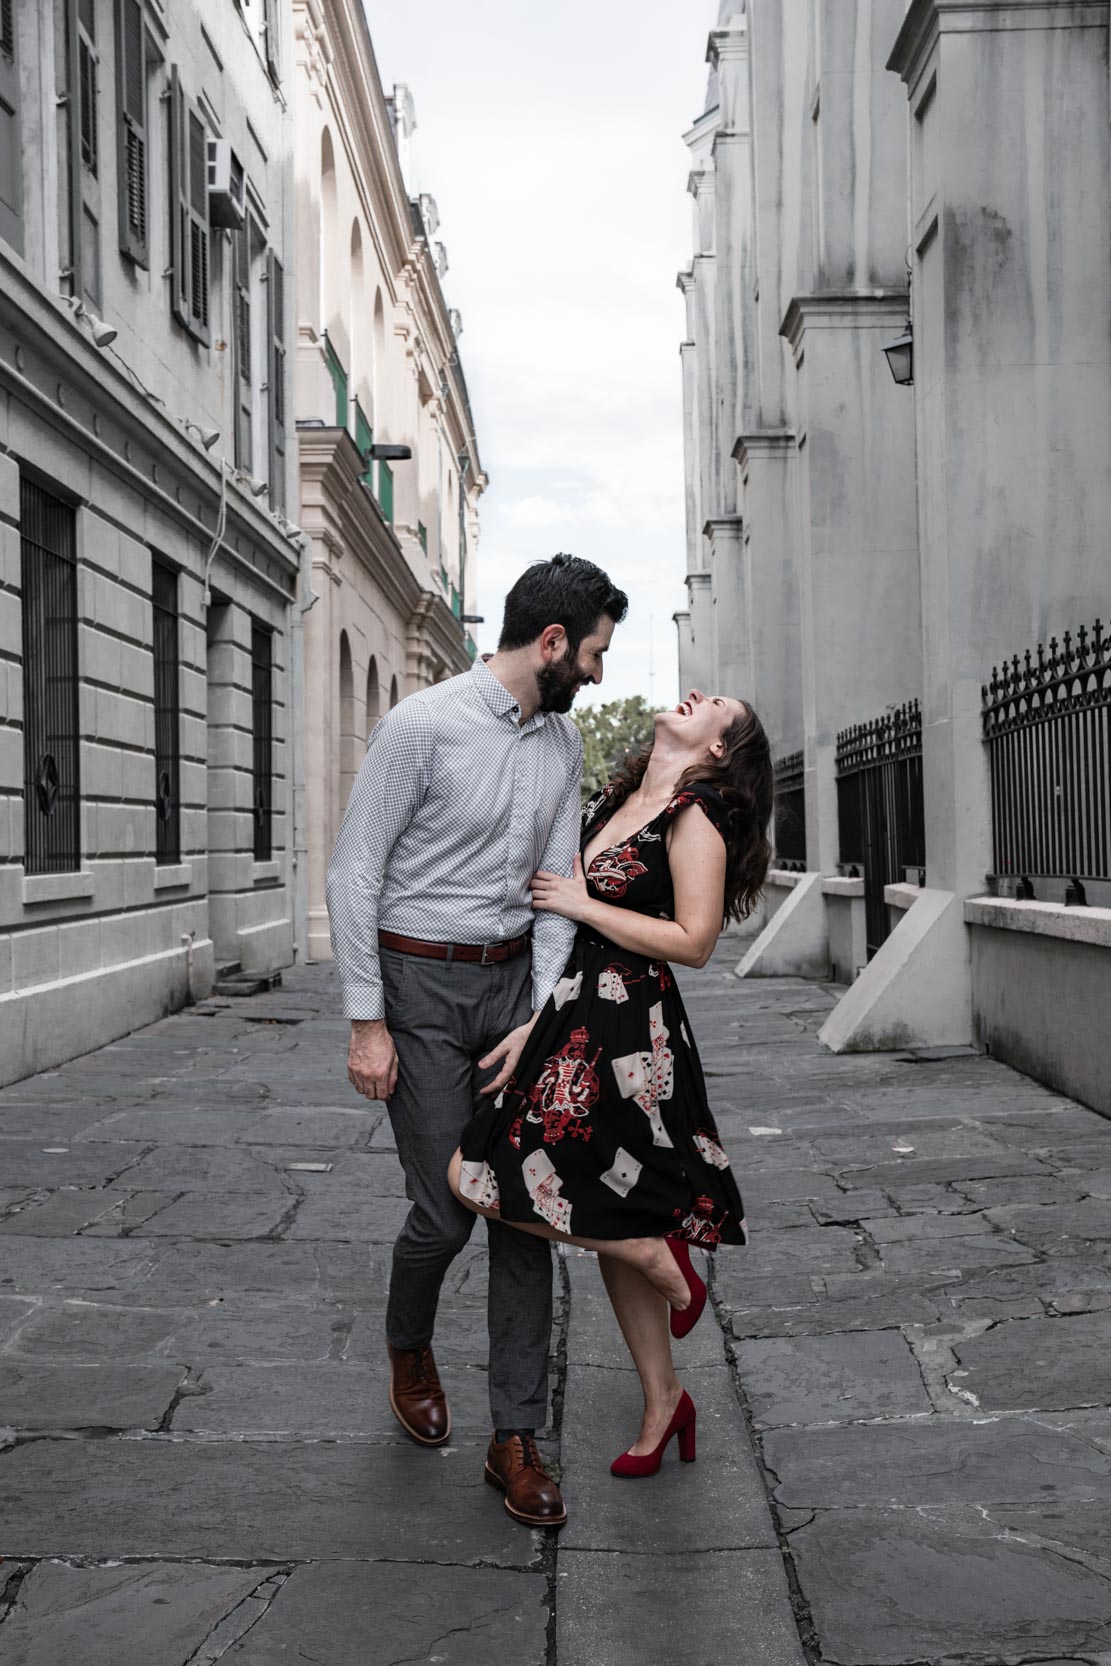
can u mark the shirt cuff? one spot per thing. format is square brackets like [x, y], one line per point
[363, 1000]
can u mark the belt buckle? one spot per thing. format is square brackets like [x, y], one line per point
[484, 961]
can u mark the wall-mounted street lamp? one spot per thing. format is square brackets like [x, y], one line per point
[472, 619]
[900, 356]
[390, 453]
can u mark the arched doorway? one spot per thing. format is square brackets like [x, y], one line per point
[348, 731]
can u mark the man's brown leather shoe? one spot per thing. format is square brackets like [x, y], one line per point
[531, 1495]
[416, 1397]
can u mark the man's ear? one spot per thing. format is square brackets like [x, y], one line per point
[552, 640]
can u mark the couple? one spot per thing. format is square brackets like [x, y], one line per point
[506, 974]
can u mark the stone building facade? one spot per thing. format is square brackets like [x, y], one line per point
[377, 364]
[150, 573]
[862, 556]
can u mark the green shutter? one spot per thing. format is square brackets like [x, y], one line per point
[364, 439]
[339, 381]
[422, 534]
[385, 491]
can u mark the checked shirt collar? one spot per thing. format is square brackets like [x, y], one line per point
[499, 699]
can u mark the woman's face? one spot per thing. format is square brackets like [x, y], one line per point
[700, 720]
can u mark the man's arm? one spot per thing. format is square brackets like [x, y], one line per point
[552, 936]
[388, 791]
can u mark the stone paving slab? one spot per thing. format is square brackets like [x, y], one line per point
[337, 1401]
[150, 1614]
[1039, 1363]
[35, 1396]
[821, 1379]
[896, 1590]
[270, 1501]
[714, 1609]
[383, 1614]
[236, 1331]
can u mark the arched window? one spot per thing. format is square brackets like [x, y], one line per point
[378, 368]
[373, 696]
[349, 750]
[393, 692]
[334, 286]
[359, 328]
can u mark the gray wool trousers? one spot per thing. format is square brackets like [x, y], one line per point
[444, 1016]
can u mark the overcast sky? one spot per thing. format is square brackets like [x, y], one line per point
[550, 137]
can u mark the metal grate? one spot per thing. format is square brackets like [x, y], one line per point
[881, 819]
[1047, 725]
[790, 813]
[51, 785]
[167, 801]
[262, 678]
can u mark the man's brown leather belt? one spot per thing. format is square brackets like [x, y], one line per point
[487, 953]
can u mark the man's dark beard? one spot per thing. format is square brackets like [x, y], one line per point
[558, 683]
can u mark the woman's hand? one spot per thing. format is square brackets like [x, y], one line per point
[509, 1053]
[556, 894]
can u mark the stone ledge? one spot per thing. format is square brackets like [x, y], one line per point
[176, 873]
[840, 885]
[782, 879]
[264, 873]
[57, 887]
[1041, 919]
[901, 896]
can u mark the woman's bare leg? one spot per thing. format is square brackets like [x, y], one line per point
[643, 1317]
[649, 1256]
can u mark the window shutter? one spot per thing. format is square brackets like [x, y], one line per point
[244, 449]
[11, 153]
[189, 205]
[272, 14]
[82, 75]
[131, 103]
[275, 307]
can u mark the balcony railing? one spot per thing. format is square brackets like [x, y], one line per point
[880, 813]
[1047, 726]
[790, 813]
[339, 381]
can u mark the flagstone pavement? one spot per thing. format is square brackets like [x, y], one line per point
[903, 1386]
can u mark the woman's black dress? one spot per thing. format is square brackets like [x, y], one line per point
[605, 1131]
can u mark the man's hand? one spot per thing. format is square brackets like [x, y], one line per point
[371, 1058]
[509, 1052]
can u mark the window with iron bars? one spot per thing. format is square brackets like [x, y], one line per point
[167, 798]
[51, 783]
[262, 695]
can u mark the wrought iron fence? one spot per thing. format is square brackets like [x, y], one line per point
[790, 813]
[1047, 726]
[51, 786]
[880, 812]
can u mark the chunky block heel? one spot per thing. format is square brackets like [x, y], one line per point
[630, 1467]
[686, 1443]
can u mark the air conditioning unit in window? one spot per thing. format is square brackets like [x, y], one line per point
[227, 198]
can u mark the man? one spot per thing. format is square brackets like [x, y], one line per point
[466, 790]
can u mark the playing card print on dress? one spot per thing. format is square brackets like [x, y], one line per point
[565, 1090]
[581, 1136]
[480, 1184]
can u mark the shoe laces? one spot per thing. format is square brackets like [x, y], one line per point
[530, 1454]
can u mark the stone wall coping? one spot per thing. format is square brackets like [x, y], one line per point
[173, 873]
[1041, 919]
[263, 872]
[901, 896]
[57, 887]
[841, 885]
[783, 880]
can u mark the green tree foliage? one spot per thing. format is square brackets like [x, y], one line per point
[609, 732]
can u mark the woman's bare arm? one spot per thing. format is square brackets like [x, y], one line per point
[696, 854]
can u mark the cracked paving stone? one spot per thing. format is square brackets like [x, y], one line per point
[349, 1219]
[314, 1125]
[901, 1588]
[27, 1163]
[206, 1169]
[916, 1229]
[818, 1379]
[231, 1332]
[242, 1501]
[62, 1214]
[1048, 1363]
[75, 1266]
[1056, 1226]
[1020, 1291]
[935, 1461]
[336, 1401]
[151, 1614]
[393, 1614]
[936, 1254]
[823, 1249]
[36, 1396]
[222, 1215]
[705, 1610]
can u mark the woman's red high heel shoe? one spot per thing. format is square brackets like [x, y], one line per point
[682, 1424]
[684, 1320]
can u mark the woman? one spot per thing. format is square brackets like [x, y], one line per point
[603, 1137]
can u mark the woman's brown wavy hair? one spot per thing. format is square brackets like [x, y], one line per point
[744, 777]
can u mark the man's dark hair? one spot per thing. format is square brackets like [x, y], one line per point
[565, 591]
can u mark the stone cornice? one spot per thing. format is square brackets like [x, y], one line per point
[848, 309]
[926, 20]
[95, 405]
[727, 43]
[723, 523]
[763, 442]
[705, 124]
[702, 578]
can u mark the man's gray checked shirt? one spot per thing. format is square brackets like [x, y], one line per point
[455, 807]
